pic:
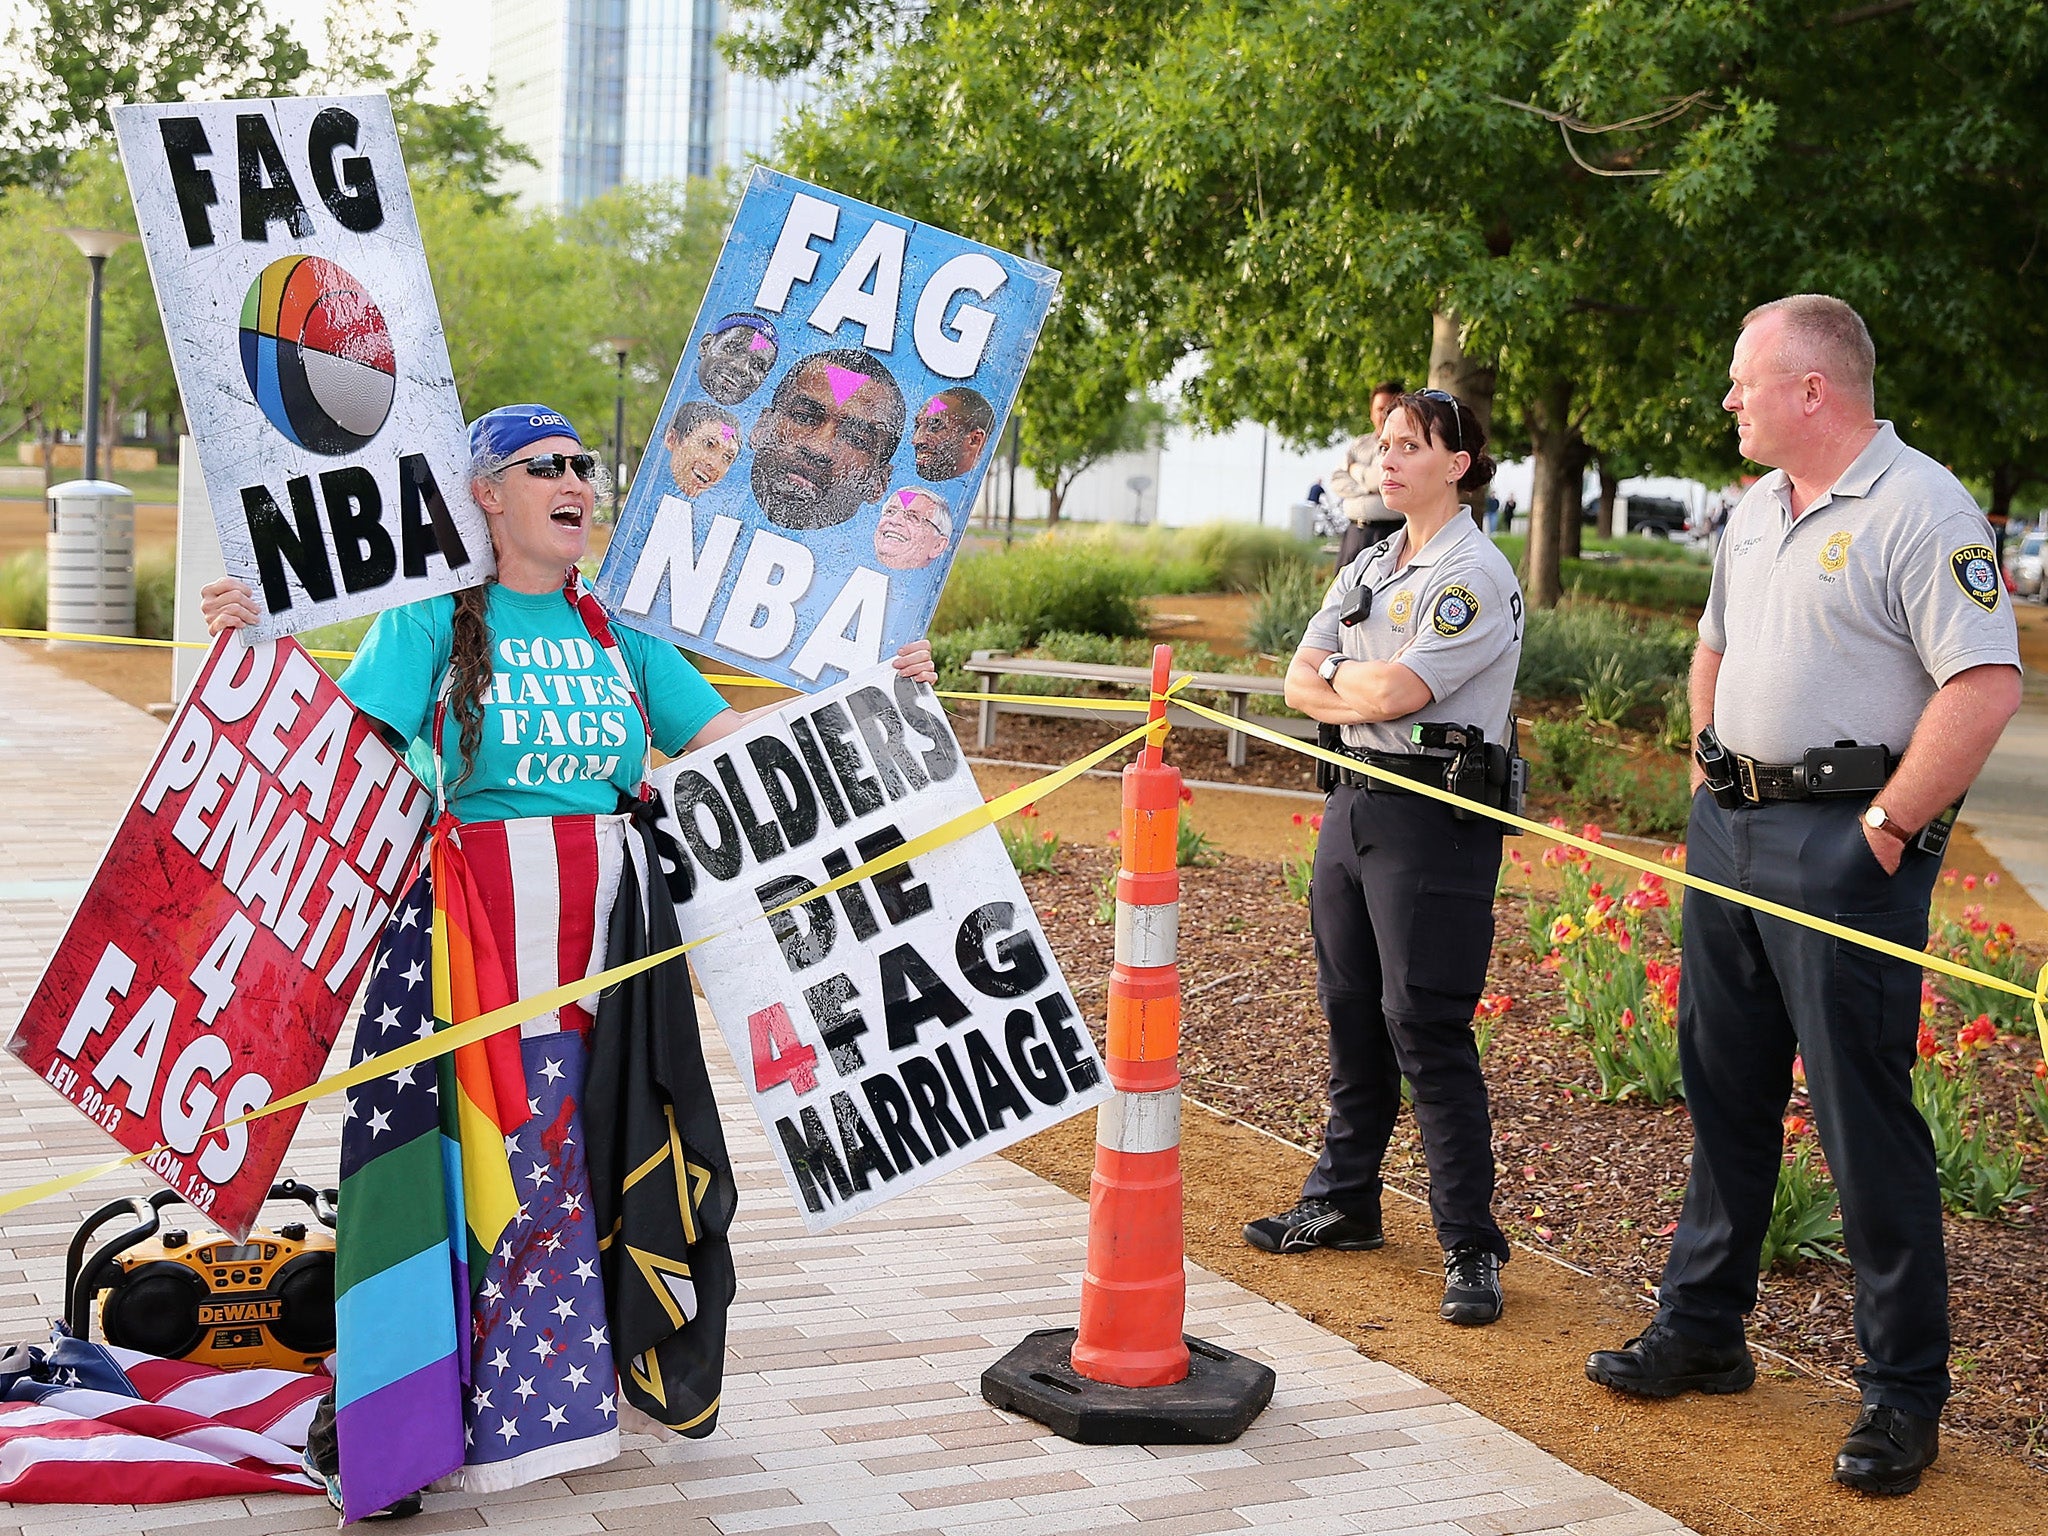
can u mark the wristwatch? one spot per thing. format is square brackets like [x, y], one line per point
[1878, 820]
[1328, 670]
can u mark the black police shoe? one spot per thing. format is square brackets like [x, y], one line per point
[1887, 1450]
[1662, 1362]
[1313, 1224]
[1471, 1286]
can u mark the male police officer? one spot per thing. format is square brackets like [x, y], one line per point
[1414, 656]
[1856, 663]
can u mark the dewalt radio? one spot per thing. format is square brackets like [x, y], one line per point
[204, 1297]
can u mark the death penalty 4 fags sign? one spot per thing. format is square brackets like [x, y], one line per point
[821, 446]
[309, 352]
[223, 937]
[902, 1025]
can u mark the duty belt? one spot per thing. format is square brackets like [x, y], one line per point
[1760, 782]
[1422, 768]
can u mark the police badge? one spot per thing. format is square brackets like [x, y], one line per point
[1976, 572]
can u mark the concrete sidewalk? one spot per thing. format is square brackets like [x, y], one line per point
[851, 1404]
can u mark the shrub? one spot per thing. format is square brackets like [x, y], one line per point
[1806, 1220]
[156, 588]
[1046, 585]
[1590, 776]
[1031, 851]
[951, 649]
[1190, 846]
[1243, 557]
[1290, 593]
[1297, 869]
[1988, 947]
[1978, 1177]
[1562, 646]
[1666, 585]
[24, 591]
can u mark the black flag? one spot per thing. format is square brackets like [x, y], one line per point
[661, 1184]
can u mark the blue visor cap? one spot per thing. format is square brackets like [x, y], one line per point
[504, 432]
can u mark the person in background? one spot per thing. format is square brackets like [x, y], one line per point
[1354, 485]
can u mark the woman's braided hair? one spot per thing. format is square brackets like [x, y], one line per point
[469, 660]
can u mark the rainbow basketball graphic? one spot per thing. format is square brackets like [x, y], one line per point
[317, 355]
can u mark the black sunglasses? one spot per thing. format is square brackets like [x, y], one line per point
[1457, 421]
[549, 466]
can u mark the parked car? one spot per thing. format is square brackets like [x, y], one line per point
[2023, 567]
[1656, 517]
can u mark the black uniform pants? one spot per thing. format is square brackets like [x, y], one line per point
[1756, 990]
[1402, 906]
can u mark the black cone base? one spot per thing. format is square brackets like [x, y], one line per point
[1223, 1393]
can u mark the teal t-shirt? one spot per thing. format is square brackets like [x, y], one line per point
[561, 735]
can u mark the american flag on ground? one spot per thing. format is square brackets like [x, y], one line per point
[84, 1423]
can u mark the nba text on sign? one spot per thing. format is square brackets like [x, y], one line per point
[287, 262]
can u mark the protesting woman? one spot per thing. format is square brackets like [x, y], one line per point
[552, 714]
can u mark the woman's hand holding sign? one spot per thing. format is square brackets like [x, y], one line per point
[226, 603]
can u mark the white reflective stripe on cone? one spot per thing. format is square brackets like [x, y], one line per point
[1147, 936]
[1139, 1122]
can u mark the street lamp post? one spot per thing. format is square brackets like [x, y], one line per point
[96, 245]
[620, 346]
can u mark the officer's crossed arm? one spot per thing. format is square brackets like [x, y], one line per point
[1364, 691]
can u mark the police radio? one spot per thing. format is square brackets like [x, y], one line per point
[202, 1296]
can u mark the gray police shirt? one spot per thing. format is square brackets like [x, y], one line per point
[1841, 624]
[1450, 613]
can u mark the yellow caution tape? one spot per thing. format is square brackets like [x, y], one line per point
[516, 1013]
[716, 679]
[1919, 957]
[165, 645]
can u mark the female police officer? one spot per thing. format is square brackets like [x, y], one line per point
[1413, 654]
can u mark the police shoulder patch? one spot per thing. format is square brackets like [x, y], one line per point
[1456, 608]
[1975, 568]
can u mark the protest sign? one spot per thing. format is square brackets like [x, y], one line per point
[819, 451]
[905, 1024]
[308, 350]
[222, 939]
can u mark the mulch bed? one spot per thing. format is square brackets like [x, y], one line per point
[1596, 1185]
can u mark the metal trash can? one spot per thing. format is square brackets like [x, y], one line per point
[91, 558]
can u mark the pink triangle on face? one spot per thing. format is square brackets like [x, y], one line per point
[725, 433]
[760, 343]
[905, 498]
[844, 381]
[936, 408]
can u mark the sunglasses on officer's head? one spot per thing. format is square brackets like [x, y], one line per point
[549, 466]
[1457, 421]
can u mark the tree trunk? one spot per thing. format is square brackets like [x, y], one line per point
[1468, 378]
[2006, 480]
[1055, 498]
[1610, 496]
[1547, 418]
[1571, 529]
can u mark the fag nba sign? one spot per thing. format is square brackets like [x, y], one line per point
[225, 933]
[902, 1025]
[821, 446]
[308, 348]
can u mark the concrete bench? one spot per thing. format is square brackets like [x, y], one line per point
[1238, 688]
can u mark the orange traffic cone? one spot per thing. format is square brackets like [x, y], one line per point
[1128, 1375]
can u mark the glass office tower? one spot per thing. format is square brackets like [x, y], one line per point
[609, 91]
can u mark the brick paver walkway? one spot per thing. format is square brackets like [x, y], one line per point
[851, 1404]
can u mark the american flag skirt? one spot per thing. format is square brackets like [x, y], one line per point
[543, 1392]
